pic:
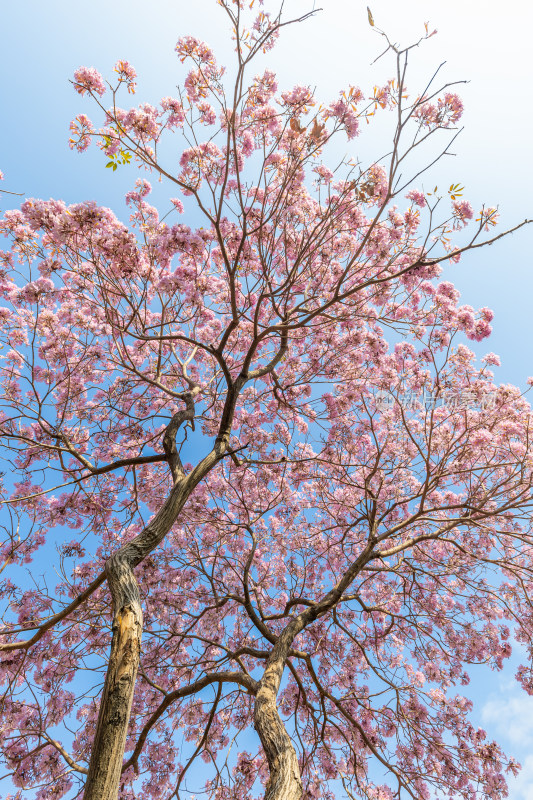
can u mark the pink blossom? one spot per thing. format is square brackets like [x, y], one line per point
[324, 173]
[82, 129]
[143, 187]
[176, 112]
[190, 47]
[465, 317]
[411, 219]
[126, 74]
[88, 79]
[178, 205]
[5, 315]
[196, 85]
[207, 113]
[418, 198]
[342, 110]
[265, 30]
[462, 210]
[247, 143]
[267, 118]
[143, 121]
[447, 290]
[377, 179]
[426, 114]
[447, 112]
[492, 359]
[488, 217]
[382, 95]
[263, 88]
[299, 99]
[451, 107]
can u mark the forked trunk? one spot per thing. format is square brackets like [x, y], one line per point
[107, 756]
[285, 782]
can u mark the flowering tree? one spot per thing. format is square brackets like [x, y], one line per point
[315, 533]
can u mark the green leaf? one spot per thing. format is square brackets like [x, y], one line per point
[110, 164]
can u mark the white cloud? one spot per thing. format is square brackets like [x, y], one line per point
[521, 787]
[510, 716]
[507, 715]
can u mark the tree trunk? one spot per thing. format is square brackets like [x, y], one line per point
[285, 782]
[107, 755]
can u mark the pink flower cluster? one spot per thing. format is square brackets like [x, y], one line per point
[382, 95]
[206, 160]
[207, 113]
[178, 205]
[299, 99]
[488, 217]
[462, 212]
[198, 51]
[446, 113]
[89, 80]
[142, 121]
[418, 197]
[263, 88]
[342, 110]
[175, 110]
[451, 108]
[324, 173]
[126, 74]
[82, 130]
[378, 179]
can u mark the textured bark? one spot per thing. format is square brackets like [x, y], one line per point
[107, 754]
[284, 782]
[110, 739]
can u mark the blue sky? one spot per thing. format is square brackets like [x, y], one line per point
[487, 43]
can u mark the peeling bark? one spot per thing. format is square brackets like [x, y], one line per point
[284, 782]
[110, 739]
[107, 756]
[105, 767]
